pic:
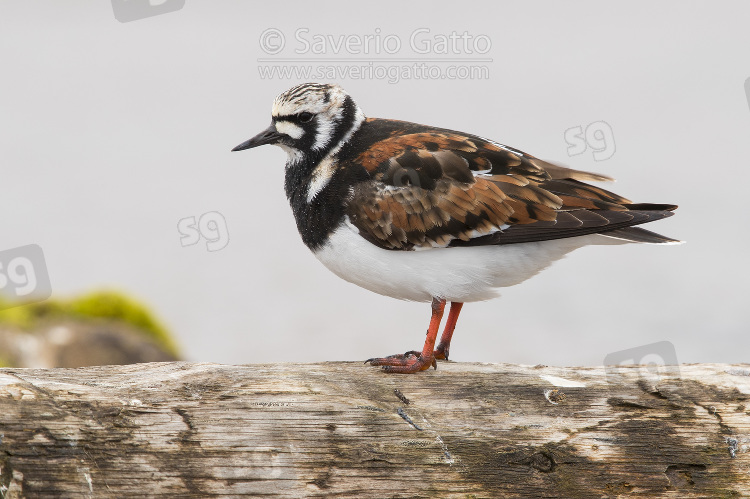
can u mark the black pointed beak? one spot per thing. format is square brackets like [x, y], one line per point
[267, 136]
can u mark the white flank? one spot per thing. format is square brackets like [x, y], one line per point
[463, 274]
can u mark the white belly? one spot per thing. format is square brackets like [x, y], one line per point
[463, 274]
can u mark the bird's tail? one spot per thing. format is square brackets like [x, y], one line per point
[639, 235]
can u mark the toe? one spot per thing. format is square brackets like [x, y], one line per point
[392, 360]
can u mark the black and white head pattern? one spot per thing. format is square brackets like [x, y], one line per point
[315, 120]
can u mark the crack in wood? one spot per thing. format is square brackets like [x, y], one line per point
[400, 411]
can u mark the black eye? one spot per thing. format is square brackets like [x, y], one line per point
[305, 117]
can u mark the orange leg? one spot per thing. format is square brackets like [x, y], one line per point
[412, 362]
[441, 352]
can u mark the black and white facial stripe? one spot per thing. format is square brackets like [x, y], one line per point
[315, 120]
[298, 130]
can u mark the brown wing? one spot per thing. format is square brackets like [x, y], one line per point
[441, 188]
[399, 139]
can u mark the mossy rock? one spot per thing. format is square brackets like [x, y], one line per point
[111, 305]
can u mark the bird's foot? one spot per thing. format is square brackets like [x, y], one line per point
[409, 362]
[441, 352]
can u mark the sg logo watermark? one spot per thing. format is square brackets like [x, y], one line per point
[656, 362]
[212, 226]
[23, 275]
[133, 10]
[597, 136]
[398, 176]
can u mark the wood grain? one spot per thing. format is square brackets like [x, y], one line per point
[343, 429]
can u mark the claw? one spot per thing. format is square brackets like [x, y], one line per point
[441, 352]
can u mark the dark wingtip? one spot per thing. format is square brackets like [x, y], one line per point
[651, 206]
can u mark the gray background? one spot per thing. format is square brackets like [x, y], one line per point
[112, 132]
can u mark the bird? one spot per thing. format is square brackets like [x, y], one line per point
[429, 214]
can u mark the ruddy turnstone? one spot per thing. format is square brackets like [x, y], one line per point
[427, 214]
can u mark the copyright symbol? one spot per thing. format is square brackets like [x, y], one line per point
[272, 41]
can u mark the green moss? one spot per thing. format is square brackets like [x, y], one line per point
[117, 306]
[100, 304]
[26, 316]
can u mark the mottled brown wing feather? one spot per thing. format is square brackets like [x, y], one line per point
[408, 217]
[557, 172]
[441, 188]
[424, 192]
[480, 155]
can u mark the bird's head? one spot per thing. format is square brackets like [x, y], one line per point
[309, 120]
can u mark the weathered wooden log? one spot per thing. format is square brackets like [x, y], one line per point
[343, 429]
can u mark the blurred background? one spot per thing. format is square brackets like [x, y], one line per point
[117, 120]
